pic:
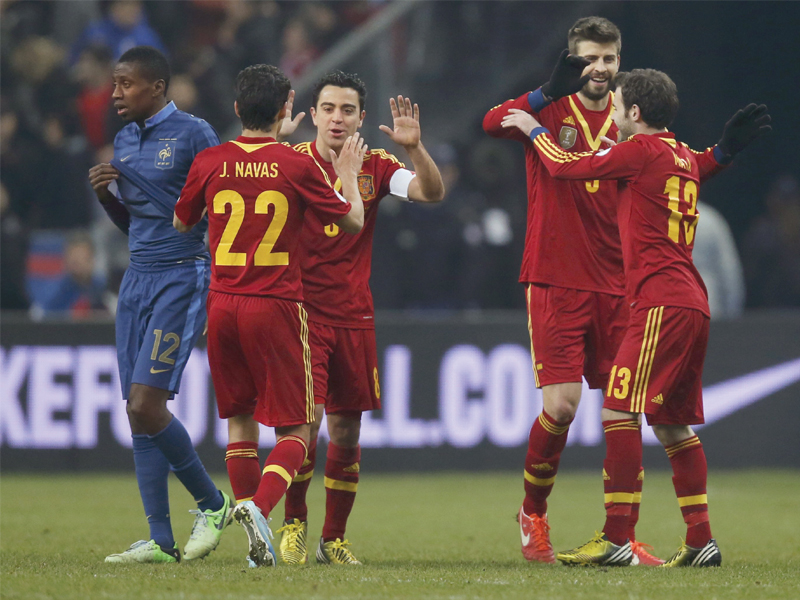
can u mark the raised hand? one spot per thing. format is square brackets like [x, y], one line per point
[289, 125]
[406, 130]
[523, 121]
[743, 127]
[100, 176]
[351, 157]
[567, 77]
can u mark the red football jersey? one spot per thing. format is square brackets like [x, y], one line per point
[572, 239]
[335, 265]
[257, 191]
[658, 186]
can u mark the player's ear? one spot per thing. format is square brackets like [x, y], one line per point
[281, 113]
[361, 118]
[236, 108]
[160, 88]
[313, 112]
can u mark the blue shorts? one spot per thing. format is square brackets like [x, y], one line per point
[160, 315]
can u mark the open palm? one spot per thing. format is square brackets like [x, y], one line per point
[406, 130]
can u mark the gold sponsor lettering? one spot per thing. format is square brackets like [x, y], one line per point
[682, 163]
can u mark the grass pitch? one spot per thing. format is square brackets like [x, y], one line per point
[449, 536]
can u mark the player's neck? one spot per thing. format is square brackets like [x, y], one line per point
[157, 108]
[590, 104]
[324, 149]
[272, 132]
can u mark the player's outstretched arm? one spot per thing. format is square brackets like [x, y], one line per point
[289, 125]
[347, 166]
[743, 128]
[427, 186]
[567, 77]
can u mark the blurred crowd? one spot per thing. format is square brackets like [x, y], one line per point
[62, 256]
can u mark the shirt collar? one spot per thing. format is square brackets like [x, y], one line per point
[161, 115]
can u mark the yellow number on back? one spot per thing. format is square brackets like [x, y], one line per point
[672, 190]
[264, 256]
[223, 255]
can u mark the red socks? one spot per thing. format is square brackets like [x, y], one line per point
[341, 483]
[282, 466]
[637, 501]
[621, 469]
[690, 473]
[545, 444]
[241, 460]
[295, 504]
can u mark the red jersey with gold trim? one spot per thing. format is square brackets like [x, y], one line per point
[659, 180]
[257, 192]
[572, 239]
[336, 265]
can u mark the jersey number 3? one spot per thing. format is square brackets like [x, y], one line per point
[264, 256]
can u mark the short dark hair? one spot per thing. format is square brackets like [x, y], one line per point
[152, 63]
[343, 80]
[593, 29]
[653, 92]
[261, 92]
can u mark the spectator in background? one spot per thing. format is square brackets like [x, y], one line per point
[717, 260]
[98, 119]
[20, 152]
[124, 26]
[80, 290]
[299, 52]
[13, 254]
[771, 249]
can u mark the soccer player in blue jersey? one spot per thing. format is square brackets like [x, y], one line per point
[161, 310]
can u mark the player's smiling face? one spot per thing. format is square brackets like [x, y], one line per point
[603, 68]
[135, 98]
[337, 115]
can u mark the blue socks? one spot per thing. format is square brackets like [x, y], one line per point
[152, 470]
[176, 445]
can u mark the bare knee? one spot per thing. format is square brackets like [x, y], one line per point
[561, 400]
[344, 429]
[669, 435]
[147, 409]
[242, 428]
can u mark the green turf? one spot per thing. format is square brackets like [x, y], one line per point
[420, 536]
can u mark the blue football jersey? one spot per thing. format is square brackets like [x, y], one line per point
[162, 152]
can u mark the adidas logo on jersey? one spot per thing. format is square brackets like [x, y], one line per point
[658, 399]
[354, 468]
[569, 120]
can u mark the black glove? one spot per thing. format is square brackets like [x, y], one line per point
[566, 78]
[746, 125]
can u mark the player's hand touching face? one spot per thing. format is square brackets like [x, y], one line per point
[523, 121]
[406, 130]
[337, 115]
[602, 68]
[347, 163]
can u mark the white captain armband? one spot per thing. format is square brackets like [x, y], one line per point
[398, 184]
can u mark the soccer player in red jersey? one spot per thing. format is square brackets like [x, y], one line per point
[571, 266]
[336, 270]
[657, 370]
[258, 194]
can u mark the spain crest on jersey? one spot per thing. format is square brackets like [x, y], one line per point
[165, 154]
[567, 137]
[366, 187]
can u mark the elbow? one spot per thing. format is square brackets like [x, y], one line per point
[179, 225]
[351, 224]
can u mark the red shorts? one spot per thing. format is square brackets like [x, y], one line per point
[657, 370]
[260, 359]
[345, 367]
[574, 333]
